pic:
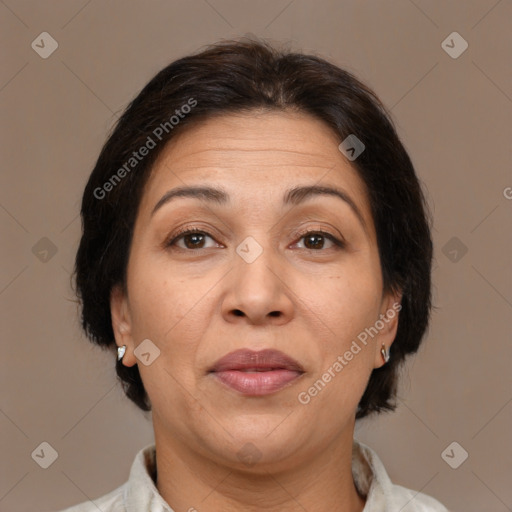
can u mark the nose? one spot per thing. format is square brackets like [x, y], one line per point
[257, 291]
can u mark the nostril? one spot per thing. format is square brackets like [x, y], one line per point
[238, 312]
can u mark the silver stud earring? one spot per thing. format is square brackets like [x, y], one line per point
[120, 352]
[385, 353]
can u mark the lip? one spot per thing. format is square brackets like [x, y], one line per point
[257, 373]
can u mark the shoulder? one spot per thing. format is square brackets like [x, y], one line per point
[381, 493]
[408, 500]
[137, 493]
[111, 502]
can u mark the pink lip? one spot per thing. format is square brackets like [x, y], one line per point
[256, 373]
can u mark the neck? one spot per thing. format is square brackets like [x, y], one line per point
[190, 481]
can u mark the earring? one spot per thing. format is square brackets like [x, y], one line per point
[120, 352]
[385, 353]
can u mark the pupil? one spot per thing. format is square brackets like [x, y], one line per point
[195, 238]
[312, 237]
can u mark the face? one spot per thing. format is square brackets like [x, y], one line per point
[260, 268]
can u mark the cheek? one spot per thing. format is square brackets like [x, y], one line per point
[345, 355]
[169, 311]
[165, 305]
[348, 301]
[346, 304]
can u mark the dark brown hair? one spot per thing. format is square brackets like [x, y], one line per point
[244, 76]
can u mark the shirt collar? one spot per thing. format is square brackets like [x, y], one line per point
[370, 478]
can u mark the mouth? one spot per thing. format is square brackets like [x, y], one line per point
[256, 373]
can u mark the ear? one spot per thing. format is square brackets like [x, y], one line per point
[387, 324]
[122, 324]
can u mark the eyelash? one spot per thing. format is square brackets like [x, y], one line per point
[296, 235]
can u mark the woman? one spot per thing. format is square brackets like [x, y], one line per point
[256, 246]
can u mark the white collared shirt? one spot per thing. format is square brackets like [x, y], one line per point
[139, 493]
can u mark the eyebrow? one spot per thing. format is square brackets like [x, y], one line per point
[294, 196]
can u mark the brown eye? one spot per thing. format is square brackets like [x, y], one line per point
[316, 240]
[192, 239]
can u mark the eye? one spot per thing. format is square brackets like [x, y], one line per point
[192, 239]
[315, 240]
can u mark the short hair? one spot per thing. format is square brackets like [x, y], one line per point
[244, 76]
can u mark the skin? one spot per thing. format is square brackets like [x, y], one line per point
[309, 299]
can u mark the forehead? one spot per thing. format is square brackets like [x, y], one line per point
[255, 156]
[296, 138]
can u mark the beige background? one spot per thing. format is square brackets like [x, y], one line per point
[454, 116]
